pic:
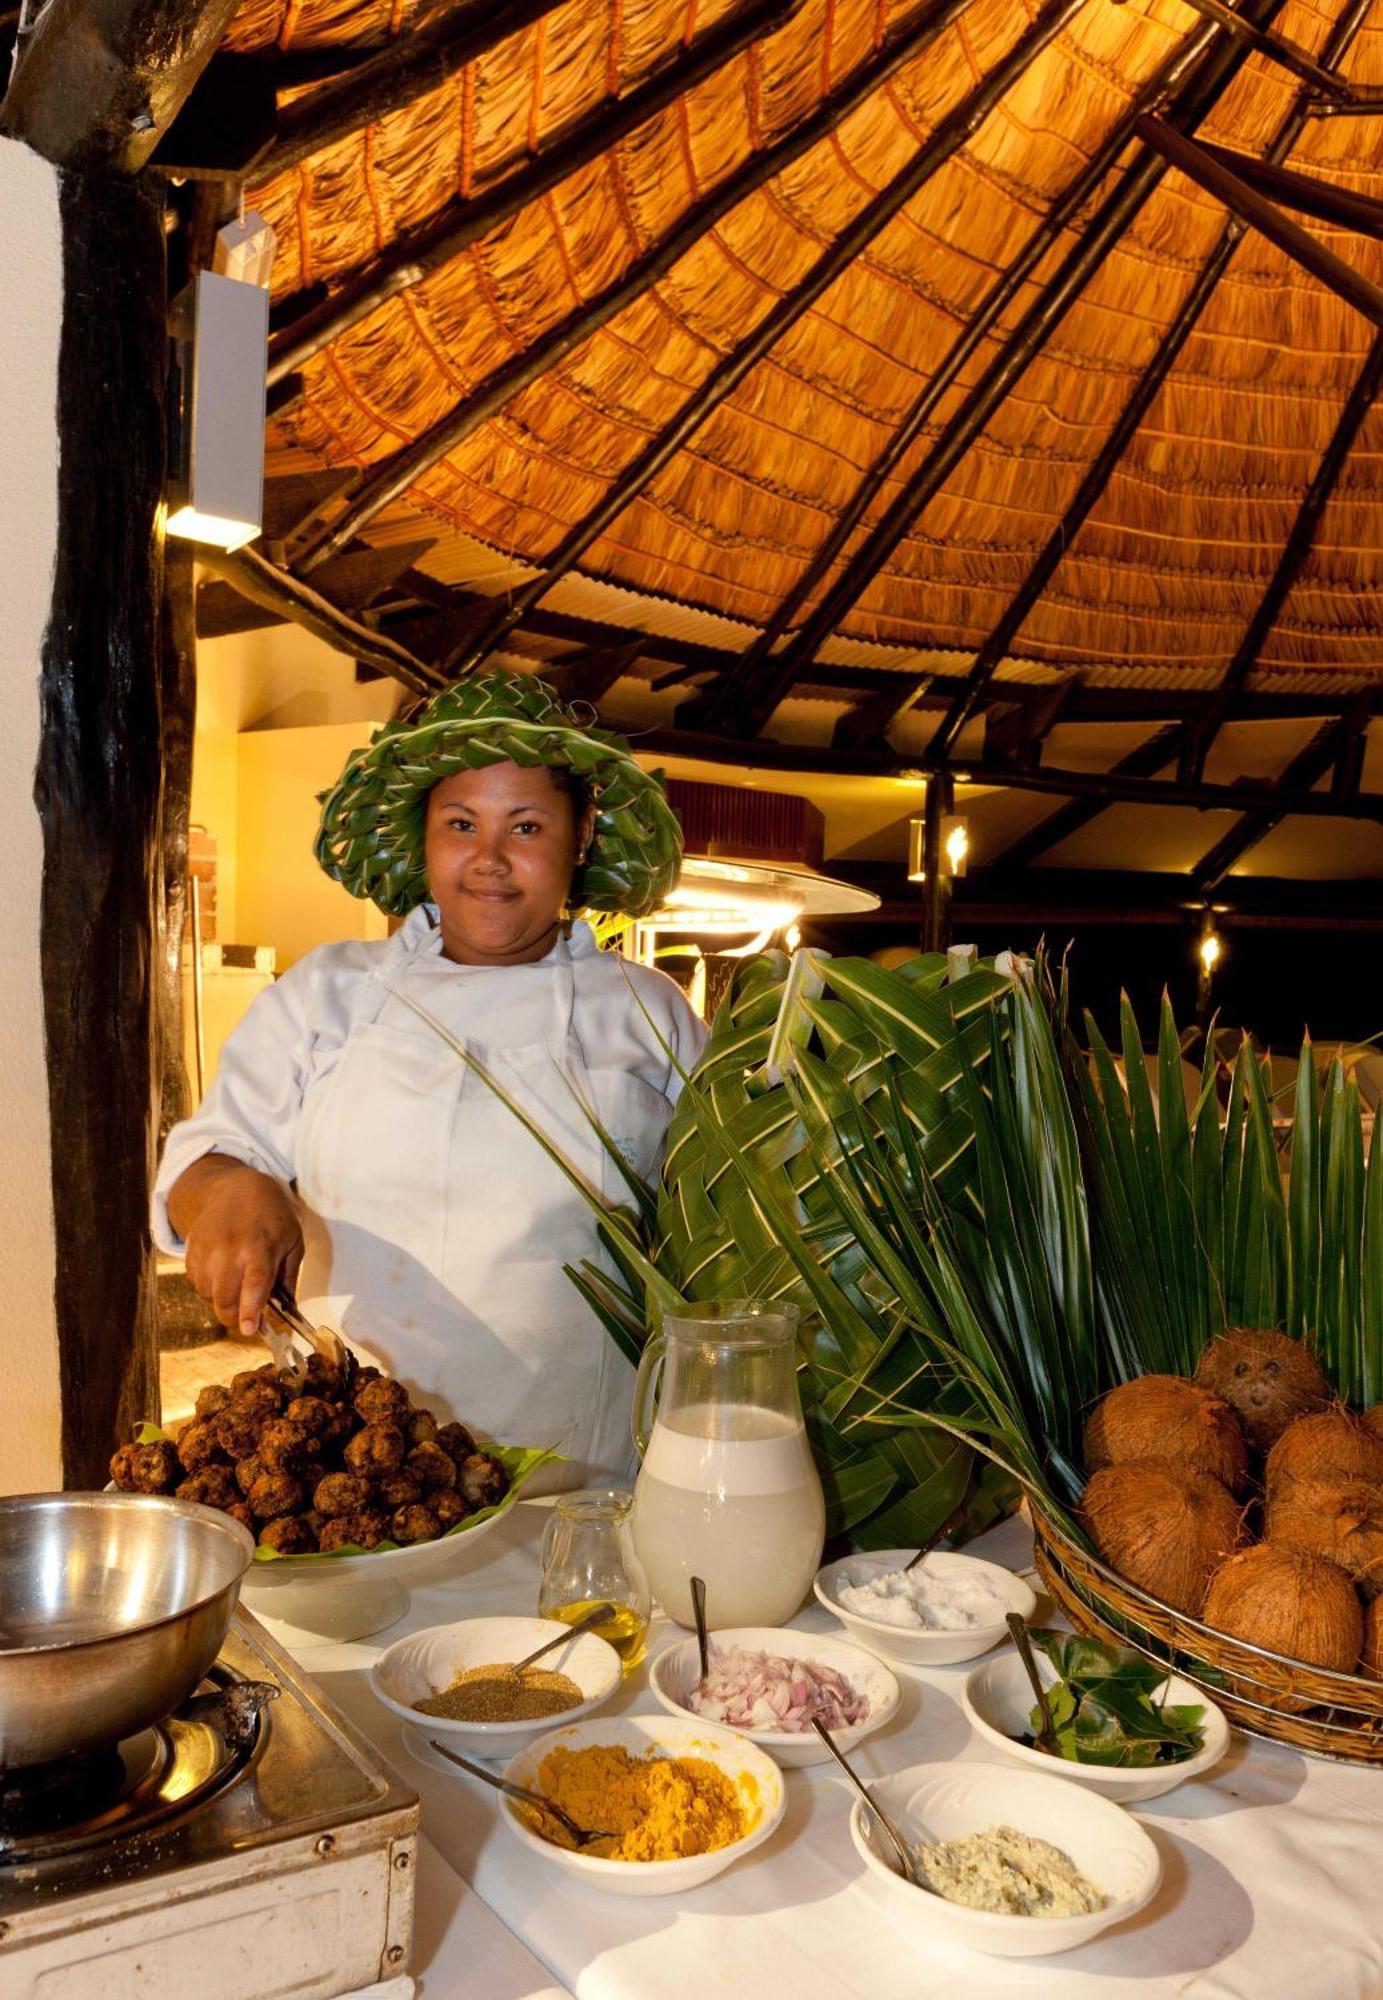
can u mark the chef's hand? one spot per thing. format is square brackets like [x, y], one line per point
[241, 1233]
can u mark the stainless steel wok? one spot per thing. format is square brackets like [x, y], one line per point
[112, 1607]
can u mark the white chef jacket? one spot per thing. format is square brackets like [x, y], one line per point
[437, 1229]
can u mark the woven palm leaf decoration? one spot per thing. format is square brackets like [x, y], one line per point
[371, 834]
[817, 1074]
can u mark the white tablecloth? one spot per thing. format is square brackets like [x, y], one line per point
[1272, 1867]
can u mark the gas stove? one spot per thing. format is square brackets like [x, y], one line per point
[250, 1847]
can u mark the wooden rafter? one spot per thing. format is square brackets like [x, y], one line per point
[395, 76]
[1201, 166]
[1210, 714]
[755, 696]
[1144, 762]
[99, 82]
[1059, 543]
[1304, 192]
[1289, 55]
[727, 375]
[414, 254]
[289, 598]
[707, 709]
[1305, 769]
[394, 475]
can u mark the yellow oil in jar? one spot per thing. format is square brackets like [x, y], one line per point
[626, 1629]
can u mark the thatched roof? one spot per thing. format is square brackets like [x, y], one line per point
[903, 264]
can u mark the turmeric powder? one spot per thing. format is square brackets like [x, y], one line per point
[655, 1808]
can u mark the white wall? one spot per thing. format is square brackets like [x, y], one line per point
[30, 326]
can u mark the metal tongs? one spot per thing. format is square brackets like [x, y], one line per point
[291, 1337]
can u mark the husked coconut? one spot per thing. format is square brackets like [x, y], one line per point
[1165, 1528]
[1371, 1662]
[1267, 1378]
[1329, 1445]
[1165, 1417]
[1337, 1518]
[1291, 1602]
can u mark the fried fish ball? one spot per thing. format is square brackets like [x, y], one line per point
[199, 1444]
[213, 1486]
[216, 1396]
[238, 1511]
[274, 1493]
[456, 1441]
[449, 1509]
[398, 1489]
[322, 1420]
[382, 1402]
[431, 1466]
[284, 1446]
[321, 1378]
[483, 1480]
[421, 1427]
[417, 1523]
[340, 1493]
[237, 1430]
[258, 1392]
[289, 1535]
[145, 1468]
[366, 1530]
[375, 1450]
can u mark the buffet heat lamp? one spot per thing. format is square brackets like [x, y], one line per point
[733, 909]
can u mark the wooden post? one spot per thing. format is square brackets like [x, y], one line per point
[178, 706]
[98, 791]
[936, 890]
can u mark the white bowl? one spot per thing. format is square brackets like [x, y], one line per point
[920, 1648]
[948, 1801]
[998, 1701]
[677, 1668]
[428, 1661]
[638, 1734]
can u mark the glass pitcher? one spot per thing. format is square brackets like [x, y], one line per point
[588, 1554]
[728, 1489]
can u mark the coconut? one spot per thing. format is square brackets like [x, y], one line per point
[1291, 1602]
[1337, 1518]
[1164, 1417]
[1165, 1528]
[1373, 1418]
[1372, 1661]
[1329, 1445]
[1268, 1379]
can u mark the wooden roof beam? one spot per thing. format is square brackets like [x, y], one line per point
[1199, 165]
[754, 696]
[1306, 767]
[706, 710]
[397, 75]
[1144, 762]
[394, 475]
[1287, 54]
[98, 82]
[416, 253]
[1303, 192]
[1213, 712]
[727, 375]
[1000, 641]
[264, 584]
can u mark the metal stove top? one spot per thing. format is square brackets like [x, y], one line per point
[198, 1789]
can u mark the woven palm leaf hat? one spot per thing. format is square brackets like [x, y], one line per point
[371, 836]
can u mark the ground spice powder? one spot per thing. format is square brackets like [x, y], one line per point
[655, 1808]
[501, 1693]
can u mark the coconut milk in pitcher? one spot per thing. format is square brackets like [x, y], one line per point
[728, 1490]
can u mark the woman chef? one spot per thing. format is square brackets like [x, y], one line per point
[344, 1133]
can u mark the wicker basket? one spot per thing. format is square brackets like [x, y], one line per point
[1328, 1714]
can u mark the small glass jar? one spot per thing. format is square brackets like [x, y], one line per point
[588, 1555]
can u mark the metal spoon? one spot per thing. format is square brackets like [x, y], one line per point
[953, 1520]
[1045, 1739]
[703, 1640]
[597, 1615]
[911, 1870]
[579, 1834]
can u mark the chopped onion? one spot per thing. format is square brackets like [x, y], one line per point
[748, 1690]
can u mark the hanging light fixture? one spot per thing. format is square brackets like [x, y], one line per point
[221, 324]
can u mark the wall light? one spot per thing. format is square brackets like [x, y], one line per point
[955, 846]
[955, 843]
[917, 849]
[221, 324]
[1211, 950]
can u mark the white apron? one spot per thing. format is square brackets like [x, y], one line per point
[437, 1229]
